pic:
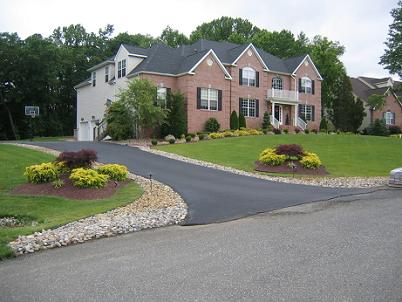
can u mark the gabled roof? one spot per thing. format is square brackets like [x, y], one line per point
[135, 50]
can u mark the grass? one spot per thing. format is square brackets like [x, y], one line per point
[341, 154]
[48, 211]
[48, 138]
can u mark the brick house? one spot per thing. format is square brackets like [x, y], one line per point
[363, 87]
[215, 78]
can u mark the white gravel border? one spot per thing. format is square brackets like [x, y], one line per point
[330, 182]
[144, 213]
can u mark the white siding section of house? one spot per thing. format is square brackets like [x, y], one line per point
[91, 101]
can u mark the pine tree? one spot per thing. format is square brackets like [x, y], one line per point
[234, 121]
[242, 121]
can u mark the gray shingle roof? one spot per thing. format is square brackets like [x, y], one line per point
[363, 91]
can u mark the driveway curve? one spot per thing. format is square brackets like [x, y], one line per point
[212, 195]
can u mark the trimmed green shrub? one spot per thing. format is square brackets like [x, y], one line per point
[215, 135]
[266, 121]
[201, 136]
[324, 124]
[394, 129]
[172, 141]
[154, 142]
[307, 131]
[234, 121]
[212, 125]
[242, 121]
[188, 138]
[42, 173]
[379, 128]
[192, 135]
[88, 178]
[286, 131]
[182, 136]
[114, 171]
[277, 131]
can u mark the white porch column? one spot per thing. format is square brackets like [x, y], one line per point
[296, 114]
[273, 109]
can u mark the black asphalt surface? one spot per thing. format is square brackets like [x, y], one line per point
[212, 195]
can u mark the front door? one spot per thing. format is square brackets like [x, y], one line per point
[278, 113]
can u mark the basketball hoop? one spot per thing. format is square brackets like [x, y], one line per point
[32, 113]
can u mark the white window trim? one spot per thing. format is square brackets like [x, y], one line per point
[209, 99]
[247, 70]
[306, 88]
[308, 110]
[389, 118]
[277, 80]
[121, 65]
[161, 98]
[249, 107]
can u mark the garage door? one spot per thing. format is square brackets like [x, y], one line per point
[84, 131]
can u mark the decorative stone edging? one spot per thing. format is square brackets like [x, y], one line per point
[331, 182]
[158, 206]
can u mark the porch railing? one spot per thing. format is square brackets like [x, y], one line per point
[285, 95]
[274, 122]
[301, 124]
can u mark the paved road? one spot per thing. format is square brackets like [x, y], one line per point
[338, 251]
[212, 195]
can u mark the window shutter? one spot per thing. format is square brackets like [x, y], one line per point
[219, 100]
[240, 104]
[198, 98]
[257, 108]
[300, 111]
[300, 86]
[240, 76]
[312, 113]
[393, 118]
[312, 86]
[257, 79]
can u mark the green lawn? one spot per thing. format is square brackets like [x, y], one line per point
[50, 211]
[342, 155]
[49, 138]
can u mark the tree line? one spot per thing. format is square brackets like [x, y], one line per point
[42, 71]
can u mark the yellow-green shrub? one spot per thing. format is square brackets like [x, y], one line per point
[114, 171]
[45, 172]
[228, 133]
[215, 135]
[88, 178]
[310, 161]
[61, 167]
[269, 157]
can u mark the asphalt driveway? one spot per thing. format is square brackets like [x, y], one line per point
[212, 195]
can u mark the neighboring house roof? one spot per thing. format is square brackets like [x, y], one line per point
[83, 83]
[135, 50]
[363, 87]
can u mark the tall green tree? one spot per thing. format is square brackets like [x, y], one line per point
[392, 58]
[176, 121]
[172, 37]
[139, 98]
[236, 30]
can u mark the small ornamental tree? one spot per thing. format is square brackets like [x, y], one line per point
[212, 125]
[266, 120]
[176, 121]
[242, 121]
[139, 98]
[116, 118]
[234, 121]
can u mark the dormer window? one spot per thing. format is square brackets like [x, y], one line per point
[93, 78]
[106, 74]
[277, 83]
[121, 68]
[306, 85]
[248, 76]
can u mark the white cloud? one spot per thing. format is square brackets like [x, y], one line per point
[361, 26]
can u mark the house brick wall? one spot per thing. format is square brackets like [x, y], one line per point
[392, 105]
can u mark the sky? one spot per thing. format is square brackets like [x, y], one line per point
[359, 25]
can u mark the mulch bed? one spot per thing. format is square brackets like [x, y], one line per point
[300, 170]
[68, 190]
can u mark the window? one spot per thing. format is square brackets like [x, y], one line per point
[121, 68]
[106, 74]
[306, 85]
[209, 99]
[161, 95]
[306, 112]
[93, 77]
[248, 107]
[277, 83]
[248, 77]
[389, 118]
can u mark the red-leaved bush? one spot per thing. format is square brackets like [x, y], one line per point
[290, 150]
[81, 159]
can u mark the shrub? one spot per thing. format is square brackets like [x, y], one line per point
[265, 131]
[394, 129]
[172, 141]
[310, 161]
[314, 131]
[88, 178]
[192, 135]
[42, 173]
[61, 167]
[269, 157]
[277, 131]
[286, 131]
[234, 121]
[242, 121]
[58, 183]
[297, 130]
[290, 150]
[182, 136]
[176, 121]
[307, 131]
[154, 141]
[81, 159]
[117, 116]
[212, 125]
[169, 137]
[188, 138]
[215, 135]
[379, 128]
[114, 171]
[324, 125]
[266, 121]
[228, 133]
[201, 136]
